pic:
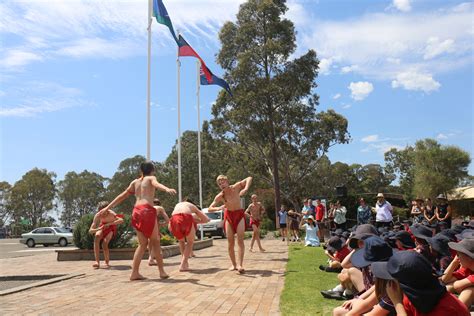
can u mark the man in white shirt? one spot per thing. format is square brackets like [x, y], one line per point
[383, 210]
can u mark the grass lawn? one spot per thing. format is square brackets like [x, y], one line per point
[304, 281]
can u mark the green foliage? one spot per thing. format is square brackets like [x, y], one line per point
[5, 190]
[32, 197]
[167, 240]
[267, 224]
[428, 168]
[304, 281]
[79, 194]
[84, 240]
[276, 234]
[248, 235]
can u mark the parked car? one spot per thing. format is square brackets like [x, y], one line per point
[215, 227]
[47, 236]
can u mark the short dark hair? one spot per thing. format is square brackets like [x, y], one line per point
[147, 168]
[157, 201]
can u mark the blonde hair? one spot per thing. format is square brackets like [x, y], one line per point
[102, 204]
[221, 177]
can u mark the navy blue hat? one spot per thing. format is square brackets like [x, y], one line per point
[439, 243]
[421, 231]
[405, 239]
[467, 233]
[337, 232]
[375, 249]
[466, 246]
[335, 243]
[458, 228]
[451, 234]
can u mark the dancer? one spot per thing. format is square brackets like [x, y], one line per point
[104, 226]
[255, 210]
[160, 211]
[182, 227]
[144, 216]
[234, 217]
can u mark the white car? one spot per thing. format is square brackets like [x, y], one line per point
[47, 236]
[215, 226]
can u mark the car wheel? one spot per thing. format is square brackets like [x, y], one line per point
[45, 245]
[63, 242]
[30, 243]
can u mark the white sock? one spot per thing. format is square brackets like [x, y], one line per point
[338, 288]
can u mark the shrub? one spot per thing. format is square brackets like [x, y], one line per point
[84, 240]
[167, 240]
[276, 234]
[263, 233]
[267, 224]
[248, 235]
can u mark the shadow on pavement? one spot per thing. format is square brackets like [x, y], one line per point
[262, 273]
[174, 281]
[120, 267]
[205, 271]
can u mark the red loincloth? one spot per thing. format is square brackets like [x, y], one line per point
[144, 219]
[255, 222]
[181, 225]
[107, 230]
[234, 218]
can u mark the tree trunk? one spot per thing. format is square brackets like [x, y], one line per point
[276, 178]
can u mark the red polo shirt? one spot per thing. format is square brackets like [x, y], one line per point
[320, 212]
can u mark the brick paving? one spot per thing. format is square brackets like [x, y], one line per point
[210, 289]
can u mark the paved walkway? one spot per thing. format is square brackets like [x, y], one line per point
[207, 290]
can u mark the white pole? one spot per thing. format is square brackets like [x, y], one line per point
[179, 129]
[148, 103]
[198, 87]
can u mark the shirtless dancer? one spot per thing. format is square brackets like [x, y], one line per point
[144, 216]
[255, 210]
[234, 217]
[104, 226]
[182, 227]
[160, 212]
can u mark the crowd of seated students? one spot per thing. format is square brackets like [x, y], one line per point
[421, 268]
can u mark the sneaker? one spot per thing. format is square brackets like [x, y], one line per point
[336, 270]
[283, 239]
[335, 295]
[322, 268]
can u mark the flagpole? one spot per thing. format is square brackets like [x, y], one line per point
[179, 128]
[198, 92]
[148, 103]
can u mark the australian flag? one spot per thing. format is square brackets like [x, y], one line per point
[213, 79]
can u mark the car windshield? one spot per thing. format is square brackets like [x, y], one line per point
[216, 215]
[61, 230]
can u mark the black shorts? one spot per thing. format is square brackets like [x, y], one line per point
[282, 225]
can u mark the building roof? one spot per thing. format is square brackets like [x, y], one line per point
[463, 193]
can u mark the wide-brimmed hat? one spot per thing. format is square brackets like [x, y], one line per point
[421, 231]
[467, 233]
[375, 249]
[311, 217]
[458, 228]
[439, 243]
[450, 233]
[380, 195]
[364, 231]
[335, 243]
[441, 197]
[466, 246]
[405, 239]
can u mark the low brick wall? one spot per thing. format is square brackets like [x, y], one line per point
[125, 253]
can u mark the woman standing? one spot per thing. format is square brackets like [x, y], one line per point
[282, 219]
[294, 225]
[340, 216]
[429, 212]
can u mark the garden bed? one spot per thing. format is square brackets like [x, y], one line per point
[124, 253]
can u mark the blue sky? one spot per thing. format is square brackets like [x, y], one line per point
[73, 77]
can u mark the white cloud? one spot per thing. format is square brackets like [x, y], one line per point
[441, 136]
[347, 69]
[42, 97]
[381, 147]
[402, 5]
[435, 47]
[325, 66]
[370, 138]
[412, 80]
[360, 90]
[336, 96]
[383, 45]
[347, 106]
[18, 58]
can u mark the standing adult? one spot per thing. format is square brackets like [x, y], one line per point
[234, 216]
[320, 210]
[144, 218]
[255, 211]
[417, 211]
[429, 211]
[364, 213]
[383, 212]
[294, 225]
[443, 210]
[283, 220]
[340, 216]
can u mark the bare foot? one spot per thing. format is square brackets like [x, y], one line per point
[137, 277]
[232, 268]
[164, 276]
[241, 270]
[96, 265]
[152, 263]
[107, 266]
[251, 250]
[262, 250]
